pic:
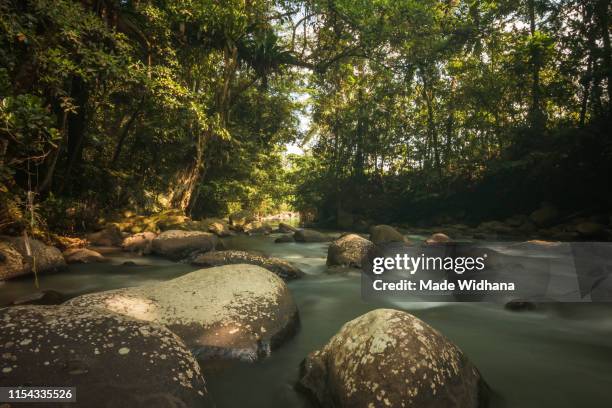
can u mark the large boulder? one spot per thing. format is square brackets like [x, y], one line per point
[112, 360]
[389, 358]
[308, 235]
[16, 260]
[383, 234]
[12, 263]
[231, 312]
[141, 243]
[109, 236]
[178, 244]
[218, 258]
[348, 250]
[82, 255]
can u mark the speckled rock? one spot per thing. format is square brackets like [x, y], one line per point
[15, 261]
[141, 243]
[112, 360]
[231, 312]
[82, 255]
[383, 234]
[109, 236]
[219, 258]
[177, 244]
[12, 263]
[348, 250]
[389, 358]
[307, 235]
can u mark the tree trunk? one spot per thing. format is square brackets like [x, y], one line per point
[450, 123]
[47, 181]
[125, 131]
[76, 130]
[536, 115]
[602, 9]
[432, 135]
[187, 180]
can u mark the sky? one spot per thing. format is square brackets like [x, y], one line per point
[304, 118]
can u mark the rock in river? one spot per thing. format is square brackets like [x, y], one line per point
[389, 358]
[348, 250]
[437, 238]
[112, 360]
[82, 255]
[233, 311]
[141, 242]
[307, 235]
[383, 234]
[177, 244]
[218, 258]
[15, 261]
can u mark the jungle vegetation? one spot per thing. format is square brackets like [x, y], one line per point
[417, 110]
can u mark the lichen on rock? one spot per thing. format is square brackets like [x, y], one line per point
[389, 358]
[112, 360]
[229, 312]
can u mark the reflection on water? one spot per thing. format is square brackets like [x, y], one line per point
[558, 356]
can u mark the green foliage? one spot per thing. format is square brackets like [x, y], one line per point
[416, 107]
[423, 107]
[143, 105]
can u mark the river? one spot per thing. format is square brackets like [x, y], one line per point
[556, 356]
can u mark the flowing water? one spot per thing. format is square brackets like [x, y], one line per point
[557, 356]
